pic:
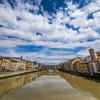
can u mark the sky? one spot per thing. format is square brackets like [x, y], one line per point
[49, 31]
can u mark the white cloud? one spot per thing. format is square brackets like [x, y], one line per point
[81, 15]
[31, 23]
[40, 57]
[38, 1]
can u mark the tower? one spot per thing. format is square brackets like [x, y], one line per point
[21, 57]
[92, 54]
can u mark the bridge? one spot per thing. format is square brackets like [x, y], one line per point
[49, 67]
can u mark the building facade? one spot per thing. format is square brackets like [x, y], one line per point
[93, 64]
[98, 57]
[21, 63]
[13, 65]
[1, 60]
[72, 63]
[29, 65]
[87, 59]
[36, 65]
[5, 63]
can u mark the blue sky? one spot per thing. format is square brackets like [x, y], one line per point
[49, 31]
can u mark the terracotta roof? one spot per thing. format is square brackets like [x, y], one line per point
[29, 61]
[15, 57]
[13, 60]
[7, 57]
[34, 62]
[18, 58]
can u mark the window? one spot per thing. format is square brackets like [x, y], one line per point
[11, 67]
[5, 61]
[3, 67]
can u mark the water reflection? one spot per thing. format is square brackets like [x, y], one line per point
[51, 70]
[38, 84]
[83, 84]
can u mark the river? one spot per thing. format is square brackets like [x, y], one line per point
[49, 86]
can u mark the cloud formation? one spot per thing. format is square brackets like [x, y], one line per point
[64, 30]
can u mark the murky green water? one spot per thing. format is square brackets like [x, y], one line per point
[49, 86]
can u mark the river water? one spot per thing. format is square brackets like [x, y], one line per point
[49, 86]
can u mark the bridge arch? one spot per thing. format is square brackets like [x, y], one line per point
[50, 67]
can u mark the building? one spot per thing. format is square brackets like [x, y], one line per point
[92, 54]
[40, 66]
[69, 65]
[29, 65]
[72, 63]
[21, 63]
[98, 57]
[13, 65]
[1, 60]
[92, 64]
[5, 63]
[60, 65]
[87, 59]
[64, 66]
[83, 67]
[35, 65]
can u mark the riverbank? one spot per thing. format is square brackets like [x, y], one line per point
[12, 74]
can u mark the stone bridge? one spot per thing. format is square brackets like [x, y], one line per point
[49, 67]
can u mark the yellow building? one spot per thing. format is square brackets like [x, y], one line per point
[98, 57]
[1, 60]
[76, 66]
[61, 65]
[13, 65]
[72, 63]
[5, 63]
[80, 67]
[64, 66]
[29, 65]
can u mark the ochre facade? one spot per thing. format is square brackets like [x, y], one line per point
[29, 65]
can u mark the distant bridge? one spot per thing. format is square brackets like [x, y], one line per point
[49, 67]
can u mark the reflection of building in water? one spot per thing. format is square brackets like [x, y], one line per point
[27, 79]
[35, 75]
[10, 86]
[32, 76]
[82, 84]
